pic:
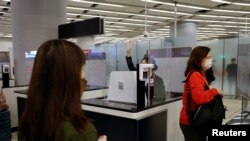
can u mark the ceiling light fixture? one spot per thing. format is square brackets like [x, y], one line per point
[112, 29]
[193, 7]
[213, 21]
[137, 20]
[235, 3]
[3, 6]
[115, 26]
[8, 35]
[233, 32]
[231, 11]
[205, 28]
[179, 5]
[226, 17]
[123, 23]
[163, 29]
[115, 18]
[228, 26]
[115, 12]
[100, 3]
[241, 4]
[222, 1]
[164, 11]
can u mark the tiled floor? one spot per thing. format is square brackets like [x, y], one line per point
[233, 106]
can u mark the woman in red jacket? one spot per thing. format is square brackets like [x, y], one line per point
[198, 63]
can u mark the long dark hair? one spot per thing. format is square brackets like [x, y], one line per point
[54, 92]
[195, 59]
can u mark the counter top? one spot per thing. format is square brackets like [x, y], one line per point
[88, 88]
[127, 107]
[103, 102]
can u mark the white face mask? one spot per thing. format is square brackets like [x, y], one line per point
[208, 64]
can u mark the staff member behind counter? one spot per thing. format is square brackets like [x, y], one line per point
[146, 59]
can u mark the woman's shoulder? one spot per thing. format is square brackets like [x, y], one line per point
[89, 132]
[196, 75]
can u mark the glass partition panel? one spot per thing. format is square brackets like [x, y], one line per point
[171, 62]
[243, 80]
[155, 43]
[230, 67]
[111, 57]
[243, 73]
[142, 47]
[95, 67]
[121, 54]
[162, 59]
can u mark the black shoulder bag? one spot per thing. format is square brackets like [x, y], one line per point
[206, 115]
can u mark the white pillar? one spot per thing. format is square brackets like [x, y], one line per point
[33, 21]
[186, 34]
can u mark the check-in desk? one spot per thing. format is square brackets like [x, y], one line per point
[123, 122]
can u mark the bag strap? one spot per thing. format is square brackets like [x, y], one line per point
[188, 110]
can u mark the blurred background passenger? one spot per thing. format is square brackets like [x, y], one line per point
[231, 71]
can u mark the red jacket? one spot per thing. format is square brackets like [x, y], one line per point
[198, 95]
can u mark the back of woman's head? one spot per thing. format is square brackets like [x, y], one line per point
[54, 91]
[196, 58]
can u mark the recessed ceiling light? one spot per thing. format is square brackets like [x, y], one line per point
[3, 6]
[222, 1]
[100, 3]
[227, 17]
[178, 5]
[148, 21]
[115, 12]
[231, 11]
[235, 3]
[123, 23]
[242, 4]
[172, 12]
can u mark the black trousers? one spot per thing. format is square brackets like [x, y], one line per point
[192, 134]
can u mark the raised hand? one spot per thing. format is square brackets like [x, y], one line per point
[129, 49]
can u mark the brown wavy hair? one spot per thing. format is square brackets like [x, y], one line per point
[54, 92]
[195, 60]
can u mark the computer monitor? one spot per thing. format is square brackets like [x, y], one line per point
[123, 87]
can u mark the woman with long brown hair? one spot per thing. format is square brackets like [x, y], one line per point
[53, 108]
[198, 63]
